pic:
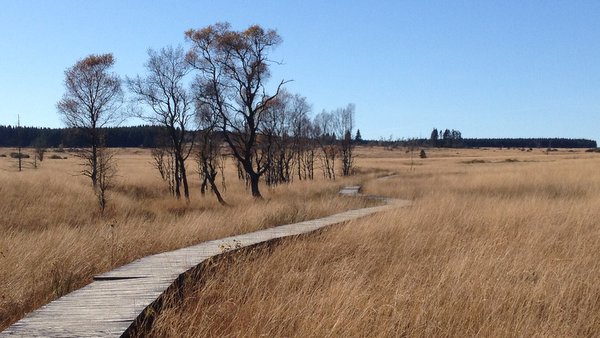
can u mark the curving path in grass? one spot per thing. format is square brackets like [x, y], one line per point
[111, 305]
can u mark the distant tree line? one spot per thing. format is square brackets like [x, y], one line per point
[133, 136]
[453, 139]
[147, 136]
[528, 143]
[485, 143]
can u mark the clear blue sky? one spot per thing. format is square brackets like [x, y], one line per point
[487, 68]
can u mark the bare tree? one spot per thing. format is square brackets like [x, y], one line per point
[19, 154]
[308, 150]
[302, 142]
[232, 67]
[345, 127]
[91, 102]
[333, 131]
[39, 145]
[277, 131]
[40, 151]
[162, 89]
[287, 127]
[106, 173]
[164, 161]
[325, 134]
[209, 157]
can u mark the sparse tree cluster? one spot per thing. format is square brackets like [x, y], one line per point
[333, 131]
[287, 131]
[269, 135]
[209, 154]
[232, 68]
[163, 160]
[447, 138]
[210, 103]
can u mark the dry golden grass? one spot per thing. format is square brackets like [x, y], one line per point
[494, 249]
[54, 240]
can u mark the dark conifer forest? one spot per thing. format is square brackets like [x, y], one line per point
[149, 136]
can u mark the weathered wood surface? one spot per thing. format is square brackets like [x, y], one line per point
[108, 306]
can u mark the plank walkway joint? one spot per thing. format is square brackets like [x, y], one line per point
[109, 305]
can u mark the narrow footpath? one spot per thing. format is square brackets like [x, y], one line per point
[108, 306]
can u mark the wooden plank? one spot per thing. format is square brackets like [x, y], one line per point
[108, 306]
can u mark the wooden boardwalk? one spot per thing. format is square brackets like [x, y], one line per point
[110, 304]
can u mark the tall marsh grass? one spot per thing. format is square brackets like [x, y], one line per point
[54, 240]
[498, 249]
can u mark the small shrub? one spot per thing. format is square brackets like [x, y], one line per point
[17, 155]
[423, 154]
[55, 157]
[2, 155]
[474, 161]
[40, 152]
[511, 160]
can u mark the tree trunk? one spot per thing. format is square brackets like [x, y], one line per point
[186, 190]
[177, 179]
[203, 186]
[94, 168]
[215, 189]
[254, 179]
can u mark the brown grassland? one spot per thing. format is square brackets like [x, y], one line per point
[497, 243]
[53, 239]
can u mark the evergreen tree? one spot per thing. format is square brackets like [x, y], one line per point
[447, 138]
[358, 137]
[434, 137]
